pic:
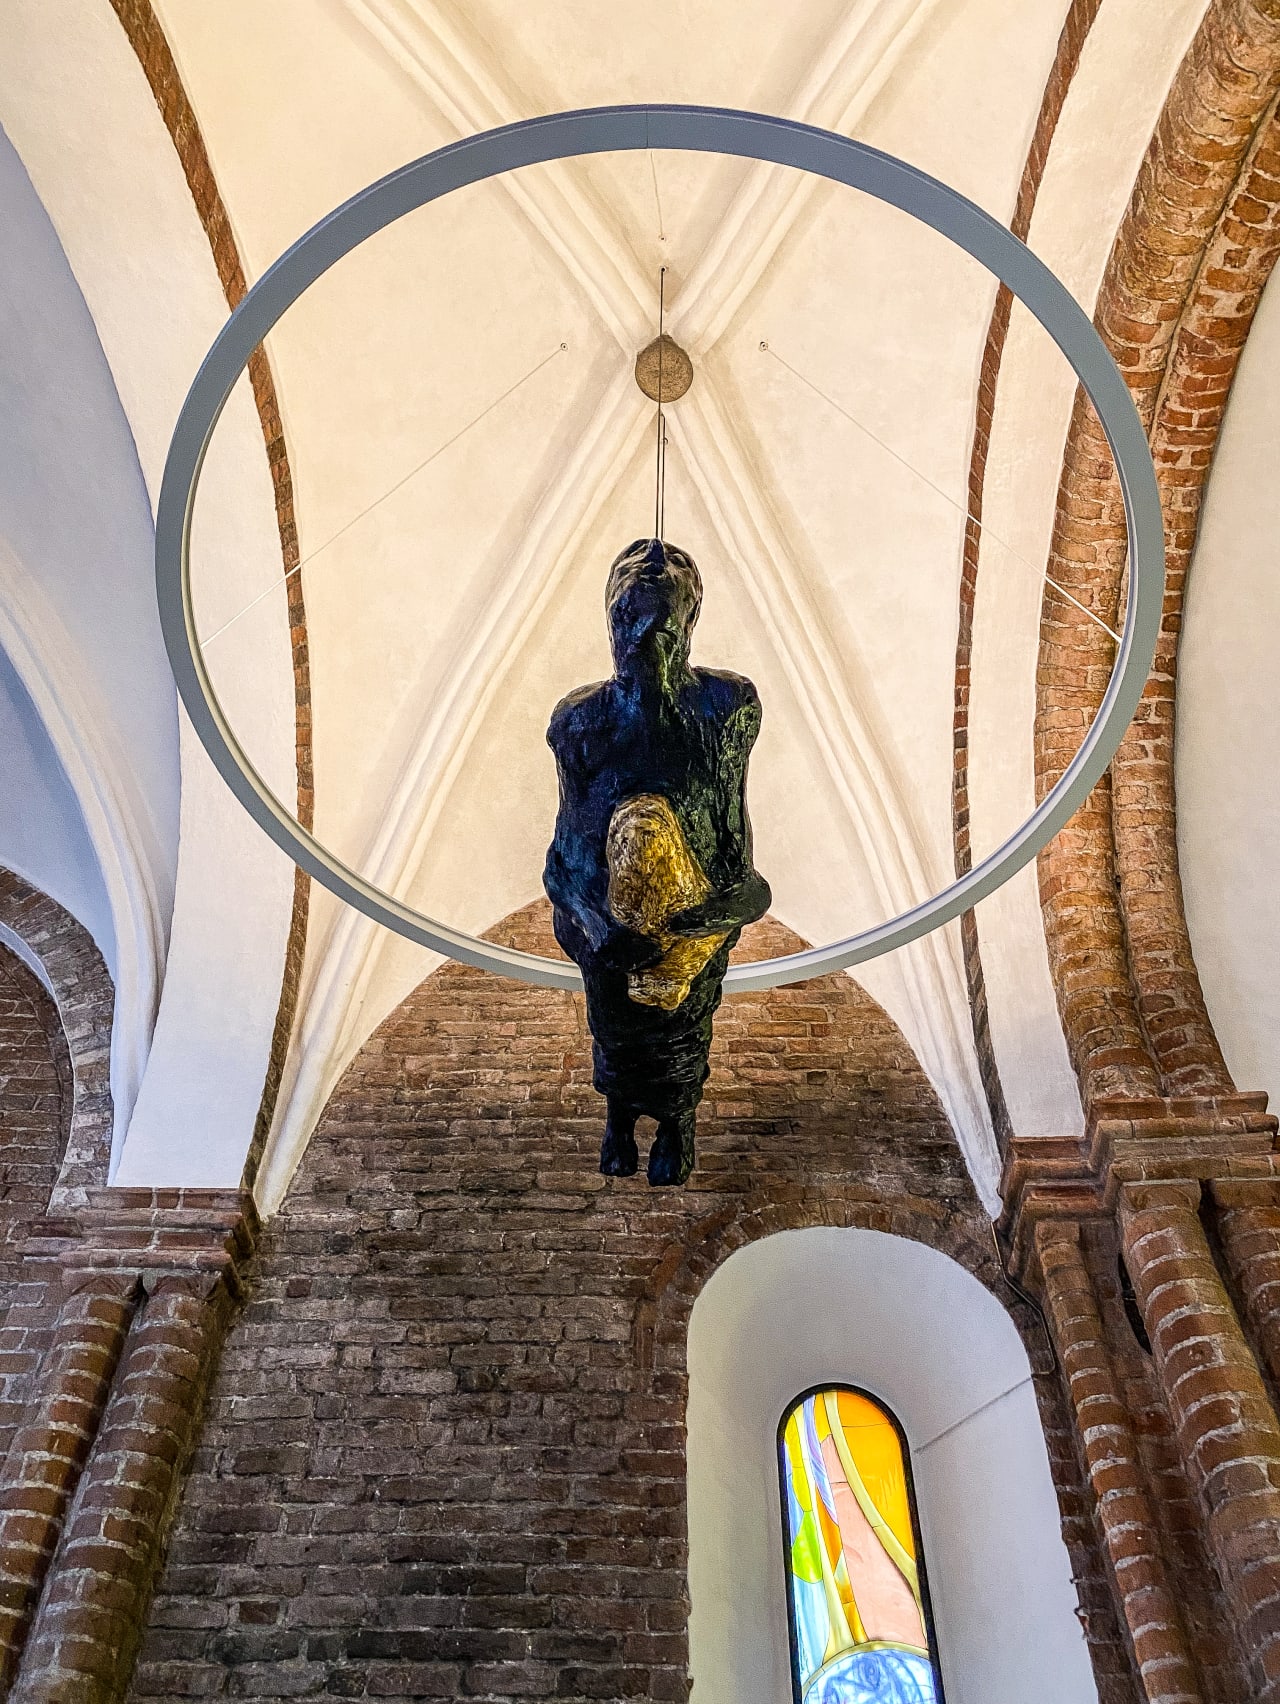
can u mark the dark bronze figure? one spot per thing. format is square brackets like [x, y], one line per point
[650, 871]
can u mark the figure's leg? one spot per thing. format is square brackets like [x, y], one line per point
[671, 1156]
[619, 1156]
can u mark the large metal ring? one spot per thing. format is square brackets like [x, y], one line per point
[712, 130]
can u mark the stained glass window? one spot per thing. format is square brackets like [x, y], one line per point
[861, 1631]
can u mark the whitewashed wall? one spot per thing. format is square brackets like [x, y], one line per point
[809, 1307]
[79, 112]
[1228, 734]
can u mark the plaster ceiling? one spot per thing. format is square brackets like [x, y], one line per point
[88, 723]
[130, 299]
[469, 451]
[445, 623]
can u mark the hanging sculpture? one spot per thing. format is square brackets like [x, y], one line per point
[650, 872]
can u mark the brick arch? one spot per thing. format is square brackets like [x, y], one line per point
[35, 1112]
[438, 1459]
[84, 996]
[660, 1329]
[35, 1104]
[1193, 253]
[1080, 19]
[661, 1322]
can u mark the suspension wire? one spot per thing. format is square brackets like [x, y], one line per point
[390, 492]
[946, 496]
[660, 449]
[662, 520]
[657, 199]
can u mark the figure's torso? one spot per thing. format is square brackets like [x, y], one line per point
[691, 749]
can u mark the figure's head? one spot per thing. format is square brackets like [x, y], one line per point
[652, 599]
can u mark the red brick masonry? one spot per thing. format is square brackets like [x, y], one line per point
[445, 1451]
[1194, 248]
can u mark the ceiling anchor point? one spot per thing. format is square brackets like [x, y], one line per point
[664, 355]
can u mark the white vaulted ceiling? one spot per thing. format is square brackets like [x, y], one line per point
[76, 107]
[469, 451]
[446, 624]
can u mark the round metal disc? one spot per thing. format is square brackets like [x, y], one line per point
[712, 130]
[663, 371]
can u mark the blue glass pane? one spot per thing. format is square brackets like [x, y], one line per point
[874, 1677]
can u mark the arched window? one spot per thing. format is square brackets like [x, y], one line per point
[857, 1603]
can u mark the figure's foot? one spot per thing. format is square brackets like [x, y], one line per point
[619, 1156]
[671, 1156]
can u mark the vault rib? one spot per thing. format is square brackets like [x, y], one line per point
[451, 66]
[33, 637]
[844, 736]
[343, 966]
[453, 69]
[835, 94]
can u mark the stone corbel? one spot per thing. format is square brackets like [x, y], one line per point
[151, 1233]
[1219, 1140]
[1194, 1138]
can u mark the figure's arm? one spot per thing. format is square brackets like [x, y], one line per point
[732, 908]
[749, 896]
[566, 895]
[610, 943]
[613, 945]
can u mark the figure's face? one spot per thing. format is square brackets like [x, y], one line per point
[653, 598]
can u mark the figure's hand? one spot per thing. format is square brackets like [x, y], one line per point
[698, 921]
[721, 912]
[627, 949]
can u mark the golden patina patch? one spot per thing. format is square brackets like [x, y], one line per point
[652, 876]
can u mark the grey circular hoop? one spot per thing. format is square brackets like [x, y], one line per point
[712, 130]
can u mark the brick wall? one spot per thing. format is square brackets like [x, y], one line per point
[35, 1110]
[444, 1453]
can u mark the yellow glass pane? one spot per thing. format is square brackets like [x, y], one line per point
[877, 1454]
[795, 1455]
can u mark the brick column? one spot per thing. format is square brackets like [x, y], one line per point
[49, 1450]
[1115, 1471]
[1249, 1223]
[1228, 1434]
[82, 1646]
